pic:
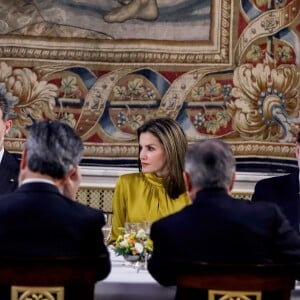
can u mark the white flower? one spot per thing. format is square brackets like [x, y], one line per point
[124, 243]
[139, 247]
[141, 234]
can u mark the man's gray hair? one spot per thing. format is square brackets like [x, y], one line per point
[210, 164]
[53, 148]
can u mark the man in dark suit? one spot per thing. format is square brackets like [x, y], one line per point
[41, 218]
[9, 165]
[217, 227]
[282, 190]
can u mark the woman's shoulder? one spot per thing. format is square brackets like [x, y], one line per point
[184, 198]
[140, 179]
[132, 182]
[130, 177]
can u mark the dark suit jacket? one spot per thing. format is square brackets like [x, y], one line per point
[284, 191]
[218, 228]
[9, 173]
[37, 220]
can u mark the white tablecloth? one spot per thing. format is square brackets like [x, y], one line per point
[125, 283]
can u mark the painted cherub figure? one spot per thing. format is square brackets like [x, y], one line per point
[133, 9]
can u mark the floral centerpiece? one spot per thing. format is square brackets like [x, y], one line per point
[134, 245]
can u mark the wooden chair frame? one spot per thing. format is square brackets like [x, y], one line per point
[51, 275]
[232, 281]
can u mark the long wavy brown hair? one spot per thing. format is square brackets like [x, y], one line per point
[174, 141]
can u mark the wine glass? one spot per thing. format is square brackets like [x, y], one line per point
[106, 229]
[147, 226]
[131, 227]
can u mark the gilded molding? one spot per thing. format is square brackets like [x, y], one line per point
[234, 295]
[44, 293]
[130, 151]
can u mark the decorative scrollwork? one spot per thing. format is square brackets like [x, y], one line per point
[37, 293]
[233, 295]
[267, 101]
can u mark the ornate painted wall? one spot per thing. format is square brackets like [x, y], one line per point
[222, 68]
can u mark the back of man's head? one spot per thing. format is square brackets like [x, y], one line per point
[53, 148]
[210, 164]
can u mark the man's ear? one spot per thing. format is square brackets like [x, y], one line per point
[23, 159]
[69, 185]
[69, 175]
[232, 182]
[73, 173]
[297, 150]
[187, 181]
[8, 125]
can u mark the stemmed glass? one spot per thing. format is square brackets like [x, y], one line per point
[106, 229]
[136, 226]
[147, 226]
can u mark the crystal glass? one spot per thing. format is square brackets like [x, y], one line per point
[136, 226]
[133, 226]
[106, 229]
[147, 226]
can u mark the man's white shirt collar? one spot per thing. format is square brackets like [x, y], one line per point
[31, 180]
[1, 154]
